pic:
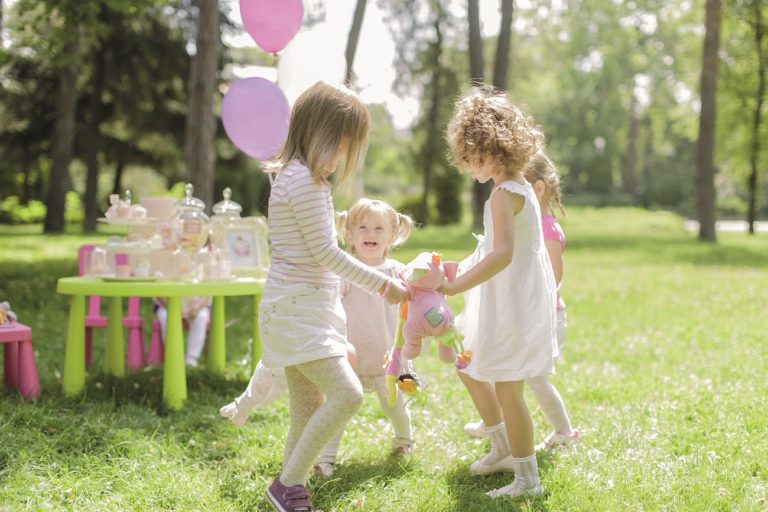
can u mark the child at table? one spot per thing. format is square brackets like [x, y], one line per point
[509, 314]
[301, 319]
[370, 228]
[196, 312]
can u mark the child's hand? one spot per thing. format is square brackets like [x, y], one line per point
[448, 288]
[395, 292]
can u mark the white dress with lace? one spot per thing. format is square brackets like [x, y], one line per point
[509, 321]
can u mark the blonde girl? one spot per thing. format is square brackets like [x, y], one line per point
[301, 319]
[542, 175]
[509, 315]
[370, 229]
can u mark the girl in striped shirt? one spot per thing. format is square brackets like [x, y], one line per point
[301, 318]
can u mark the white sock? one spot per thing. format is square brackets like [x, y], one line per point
[499, 443]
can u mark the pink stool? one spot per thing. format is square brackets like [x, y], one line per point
[134, 356]
[20, 368]
[156, 352]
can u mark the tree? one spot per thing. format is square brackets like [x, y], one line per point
[201, 122]
[705, 172]
[353, 38]
[759, 29]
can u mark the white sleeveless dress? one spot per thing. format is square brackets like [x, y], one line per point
[509, 322]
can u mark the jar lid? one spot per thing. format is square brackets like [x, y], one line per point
[189, 201]
[227, 207]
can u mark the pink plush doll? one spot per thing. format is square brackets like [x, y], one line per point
[426, 314]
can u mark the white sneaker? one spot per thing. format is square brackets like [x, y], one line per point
[236, 416]
[476, 429]
[487, 466]
[560, 440]
[517, 488]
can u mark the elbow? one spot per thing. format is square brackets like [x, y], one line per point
[504, 257]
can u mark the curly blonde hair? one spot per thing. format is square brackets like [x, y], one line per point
[486, 125]
[540, 167]
[400, 225]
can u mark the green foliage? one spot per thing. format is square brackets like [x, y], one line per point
[664, 372]
[13, 212]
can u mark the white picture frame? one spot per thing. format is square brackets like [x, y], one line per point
[244, 241]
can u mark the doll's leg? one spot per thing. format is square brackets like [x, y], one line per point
[412, 345]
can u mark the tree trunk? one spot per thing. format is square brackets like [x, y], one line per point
[433, 131]
[501, 66]
[759, 29]
[480, 191]
[353, 38]
[117, 183]
[645, 197]
[705, 175]
[92, 133]
[62, 142]
[201, 124]
[630, 159]
[476, 67]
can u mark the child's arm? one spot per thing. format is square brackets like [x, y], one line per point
[555, 252]
[309, 202]
[504, 206]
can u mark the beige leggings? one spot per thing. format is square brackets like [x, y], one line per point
[324, 395]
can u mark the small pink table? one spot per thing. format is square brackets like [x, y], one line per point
[20, 368]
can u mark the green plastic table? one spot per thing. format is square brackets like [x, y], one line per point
[174, 371]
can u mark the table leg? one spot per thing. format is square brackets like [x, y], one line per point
[217, 347]
[174, 373]
[73, 380]
[114, 357]
[256, 346]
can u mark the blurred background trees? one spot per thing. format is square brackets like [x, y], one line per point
[101, 95]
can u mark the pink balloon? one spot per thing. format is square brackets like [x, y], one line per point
[272, 23]
[255, 114]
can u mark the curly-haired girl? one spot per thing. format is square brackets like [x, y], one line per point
[509, 315]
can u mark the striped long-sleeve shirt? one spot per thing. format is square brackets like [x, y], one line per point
[303, 234]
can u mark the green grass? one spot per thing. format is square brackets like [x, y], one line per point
[664, 372]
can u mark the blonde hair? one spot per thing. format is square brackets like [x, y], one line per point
[400, 225]
[486, 125]
[323, 118]
[540, 167]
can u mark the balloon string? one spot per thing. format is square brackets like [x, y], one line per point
[275, 59]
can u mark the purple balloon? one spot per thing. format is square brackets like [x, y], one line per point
[255, 114]
[272, 23]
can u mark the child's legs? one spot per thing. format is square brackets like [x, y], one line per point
[304, 399]
[196, 336]
[516, 417]
[162, 317]
[314, 426]
[484, 398]
[399, 414]
[331, 450]
[551, 403]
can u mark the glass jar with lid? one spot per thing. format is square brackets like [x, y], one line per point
[191, 221]
[226, 215]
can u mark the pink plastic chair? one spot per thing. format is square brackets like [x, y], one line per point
[19, 361]
[134, 358]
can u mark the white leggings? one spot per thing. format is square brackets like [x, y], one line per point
[323, 395]
[196, 336]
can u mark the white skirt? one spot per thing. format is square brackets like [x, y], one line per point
[301, 322]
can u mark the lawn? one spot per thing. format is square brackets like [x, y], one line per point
[664, 373]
